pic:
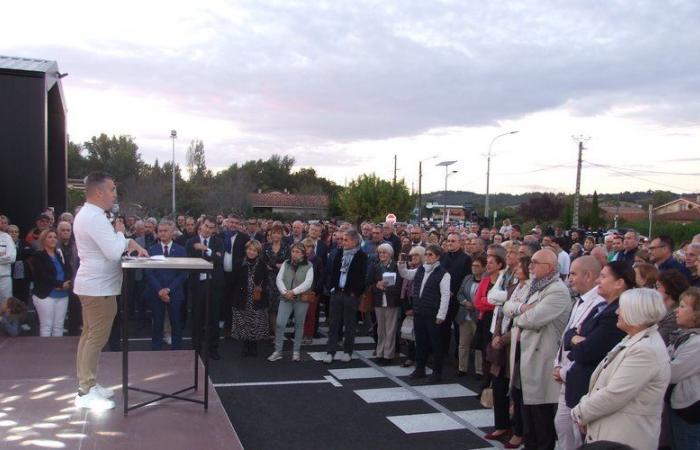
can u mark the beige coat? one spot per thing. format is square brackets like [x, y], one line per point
[626, 393]
[540, 331]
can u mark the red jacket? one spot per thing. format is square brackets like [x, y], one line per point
[481, 303]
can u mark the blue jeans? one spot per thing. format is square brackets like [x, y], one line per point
[174, 308]
[683, 434]
[285, 310]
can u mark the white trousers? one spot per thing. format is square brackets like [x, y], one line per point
[52, 314]
[568, 434]
[5, 288]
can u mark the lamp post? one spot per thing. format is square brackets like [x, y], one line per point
[488, 171]
[446, 164]
[420, 188]
[173, 136]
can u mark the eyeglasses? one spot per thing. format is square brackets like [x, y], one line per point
[429, 254]
[654, 247]
[533, 262]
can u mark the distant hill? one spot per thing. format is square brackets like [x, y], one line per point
[502, 200]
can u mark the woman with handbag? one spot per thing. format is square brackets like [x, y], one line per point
[494, 265]
[684, 392]
[387, 303]
[294, 282]
[52, 274]
[250, 321]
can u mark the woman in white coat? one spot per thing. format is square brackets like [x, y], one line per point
[626, 392]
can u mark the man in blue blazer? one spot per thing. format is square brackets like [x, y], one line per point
[165, 288]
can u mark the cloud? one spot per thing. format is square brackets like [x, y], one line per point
[306, 72]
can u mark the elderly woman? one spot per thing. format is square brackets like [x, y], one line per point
[250, 321]
[671, 284]
[431, 297]
[416, 258]
[295, 277]
[625, 398]
[387, 301]
[466, 315]
[684, 392]
[52, 274]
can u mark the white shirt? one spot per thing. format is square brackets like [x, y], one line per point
[409, 274]
[564, 263]
[100, 249]
[10, 255]
[228, 257]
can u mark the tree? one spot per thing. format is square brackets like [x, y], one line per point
[196, 162]
[659, 198]
[543, 207]
[369, 197]
[594, 219]
[77, 163]
[116, 155]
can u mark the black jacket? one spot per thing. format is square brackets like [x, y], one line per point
[357, 273]
[601, 335]
[393, 293]
[45, 273]
[217, 255]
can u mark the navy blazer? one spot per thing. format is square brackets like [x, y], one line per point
[158, 279]
[601, 335]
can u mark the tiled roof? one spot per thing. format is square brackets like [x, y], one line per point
[283, 200]
[685, 215]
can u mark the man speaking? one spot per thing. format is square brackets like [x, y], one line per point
[97, 283]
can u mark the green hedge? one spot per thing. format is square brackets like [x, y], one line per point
[679, 232]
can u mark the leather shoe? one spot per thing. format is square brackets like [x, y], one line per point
[417, 374]
[214, 354]
[498, 437]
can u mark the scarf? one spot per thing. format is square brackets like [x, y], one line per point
[347, 258]
[540, 283]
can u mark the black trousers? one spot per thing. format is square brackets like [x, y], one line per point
[226, 304]
[343, 311]
[501, 402]
[427, 339]
[198, 311]
[538, 426]
[447, 326]
[75, 315]
[517, 420]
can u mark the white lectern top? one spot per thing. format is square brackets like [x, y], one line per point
[167, 263]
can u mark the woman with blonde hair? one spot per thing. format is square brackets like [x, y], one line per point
[52, 275]
[250, 321]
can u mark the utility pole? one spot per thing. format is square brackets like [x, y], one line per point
[580, 139]
[394, 169]
[173, 136]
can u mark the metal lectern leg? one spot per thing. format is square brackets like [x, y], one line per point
[205, 346]
[126, 290]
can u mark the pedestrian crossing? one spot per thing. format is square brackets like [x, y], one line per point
[400, 394]
[424, 423]
[370, 372]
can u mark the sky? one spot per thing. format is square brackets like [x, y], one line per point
[343, 86]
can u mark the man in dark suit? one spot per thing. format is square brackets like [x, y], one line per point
[165, 288]
[205, 245]
[347, 283]
[234, 241]
[188, 232]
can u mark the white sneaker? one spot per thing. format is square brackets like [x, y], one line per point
[275, 356]
[168, 340]
[328, 359]
[94, 401]
[345, 357]
[296, 356]
[103, 391]
[25, 327]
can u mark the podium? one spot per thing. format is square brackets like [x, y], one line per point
[197, 266]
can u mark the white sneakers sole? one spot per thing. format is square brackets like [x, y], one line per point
[274, 357]
[94, 401]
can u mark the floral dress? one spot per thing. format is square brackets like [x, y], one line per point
[249, 323]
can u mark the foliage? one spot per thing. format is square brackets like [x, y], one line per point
[679, 232]
[370, 197]
[543, 207]
[196, 162]
[594, 219]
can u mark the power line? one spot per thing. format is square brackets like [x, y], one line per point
[636, 177]
[647, 171]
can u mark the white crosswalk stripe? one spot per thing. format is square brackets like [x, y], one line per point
[423, 423]
[370, 372]
[399, 394]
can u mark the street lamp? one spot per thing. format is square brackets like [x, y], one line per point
[173, 136]
[420, 188]
[446, 164]
[488, 171]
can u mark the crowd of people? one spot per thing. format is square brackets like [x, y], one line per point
[572, 339]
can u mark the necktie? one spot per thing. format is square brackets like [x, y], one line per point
[206, 242]
[165, 250]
